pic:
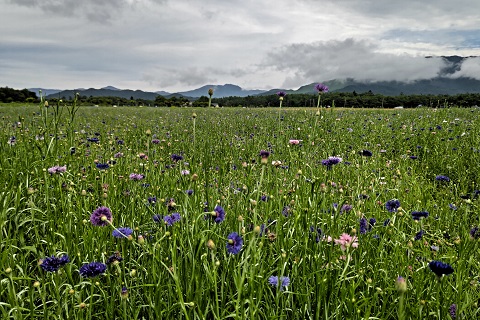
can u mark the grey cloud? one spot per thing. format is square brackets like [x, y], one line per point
[190, 76]
[350, 58]
[470, 68]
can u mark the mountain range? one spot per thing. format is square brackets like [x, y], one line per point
[442, 84]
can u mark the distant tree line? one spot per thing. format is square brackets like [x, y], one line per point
[331, 99]
[8, 95]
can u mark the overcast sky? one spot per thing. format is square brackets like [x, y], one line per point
[180, 45]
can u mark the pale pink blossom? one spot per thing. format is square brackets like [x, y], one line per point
[345, 241]
[293, 141]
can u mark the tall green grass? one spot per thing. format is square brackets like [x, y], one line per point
[174, 274]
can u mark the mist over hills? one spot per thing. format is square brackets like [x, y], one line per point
[445, 83]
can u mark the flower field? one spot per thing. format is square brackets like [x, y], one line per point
[181, 213]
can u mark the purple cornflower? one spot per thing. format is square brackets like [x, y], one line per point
[392, 205]
[475, 233]
[92, 269]
[155, 141]
[176, 157]
[157, 218]
[152, 200]
[102, 166]
[281, 282]
[136, 176]
[118, 155]
[281, 94]
[57, 169]
[345, 208]
[171, 219]
[218, 214]
[440, 268]
[386, 222]
[371, 223]
[330, 161]
[286, 211]
[452, 206]
[234, 243]
[442, 178]
[52, 264]
[453, 311]
[366, 153]
[419, 235]
[264, 154]
[101, 217]
[189, 192]
[417, 215]
[363, 225]
[114, 258]
[321, 88]
[122, 232]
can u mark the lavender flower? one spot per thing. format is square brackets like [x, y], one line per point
[330, 161]
[171, 219]
[136, 176]
[281, 282]
[363, 225]
[345, 208]
[92, 269]
[57, 169]
[281, 94]
[218, 214]
[101, 217]
[234, 243]
[122, 232]
[321, 88]
[52, 264]
[453, 311]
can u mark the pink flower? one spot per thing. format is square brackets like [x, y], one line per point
[292, 141]
[345, 241]
[57, 169]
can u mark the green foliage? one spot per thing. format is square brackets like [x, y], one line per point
[184, 271]
[8, 95]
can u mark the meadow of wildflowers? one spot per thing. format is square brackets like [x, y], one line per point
[155, 213]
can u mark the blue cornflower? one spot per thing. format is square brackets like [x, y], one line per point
[281, 94]
[392, 205]
[218, 214]
[366, 153]
[92, 269]
[386, 222]
[102, 166]
[114, 258]
[453, 311]
[281, 282]
[452, 206]
[371, 223]
[417, 215]
[440, 268]
[419, 235]
[171, 219]
[152, 200]
[176, 157]
[52, 264]
[157, 218]
[122, 232]
[95, 140]
[363, 225]
[346, 208]
[321, 88]
[189, 192]
[442, 178]
[234, 243]
[475, 233]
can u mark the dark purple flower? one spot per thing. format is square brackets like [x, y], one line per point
[157, 218]
[189, 192]
[371, 223]
[321, 88]
[386, 222]
[453, 311]
[92, 269]
[234, 243]
[101, 217]
[475, 233]
[95, 140]
[122, 232]
[171, 219]
[363, 225]
[440, 268]
[366, 153]
[442, 178]
[264, 154]
[281, 282]
[419, 235]
[52, 264]
[345, 208]
[120, 142]
[102, 166]
[286, 211]
[155, 141]
[218, 214]
[330, 161]
[392, 205]
[281, 94]
[176, 157]
[452, 206]
[417, 215]
[152, 200]
[114, 258]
